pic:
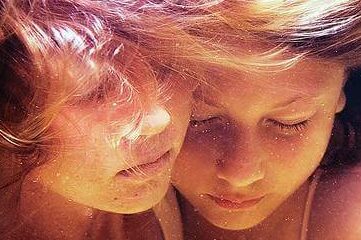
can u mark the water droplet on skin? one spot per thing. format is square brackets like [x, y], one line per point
[35, 180]
[89, 213]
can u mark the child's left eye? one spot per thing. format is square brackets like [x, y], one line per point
[290, 128]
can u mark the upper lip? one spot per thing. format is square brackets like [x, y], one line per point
[146, 150]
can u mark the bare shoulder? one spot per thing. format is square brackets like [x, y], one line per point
[336, 207]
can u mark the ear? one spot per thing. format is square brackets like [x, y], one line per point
[341, 102]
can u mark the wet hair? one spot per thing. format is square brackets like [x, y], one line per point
[60, 52]
[292, 30]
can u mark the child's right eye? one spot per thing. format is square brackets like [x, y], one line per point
[206, 121]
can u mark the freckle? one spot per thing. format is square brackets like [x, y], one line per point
[115, 199]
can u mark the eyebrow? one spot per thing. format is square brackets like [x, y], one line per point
[202, 96]
[292, 100]
[295, 99]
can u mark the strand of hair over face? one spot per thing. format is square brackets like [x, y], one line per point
[64, 41]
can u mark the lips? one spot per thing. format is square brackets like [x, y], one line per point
[235, 203]
[147, 169]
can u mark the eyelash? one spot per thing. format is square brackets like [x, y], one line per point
[297, 127]
[198, 123]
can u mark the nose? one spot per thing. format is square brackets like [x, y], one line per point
[242, 168]
[155, 121]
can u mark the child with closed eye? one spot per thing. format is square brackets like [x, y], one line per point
[272, 150]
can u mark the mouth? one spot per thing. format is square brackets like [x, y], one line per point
[147, 170]
[237, 204]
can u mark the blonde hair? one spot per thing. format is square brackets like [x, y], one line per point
[55, 53]
[292, 30]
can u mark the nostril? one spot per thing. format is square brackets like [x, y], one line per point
[240, 176]
[155, 121]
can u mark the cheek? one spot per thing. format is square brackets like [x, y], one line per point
[192, 166]
[87, 151]
[306, 147]
[179, 108]
[294, 159]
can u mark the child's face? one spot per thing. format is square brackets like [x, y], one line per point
[255, 138]
[97, 166]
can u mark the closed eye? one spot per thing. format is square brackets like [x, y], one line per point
[202, 122]
[290, 128]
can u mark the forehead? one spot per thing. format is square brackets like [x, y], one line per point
[307, 77]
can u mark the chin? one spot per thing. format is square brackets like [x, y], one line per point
[236, 220]
[140, 203]
[231, 223]
[236, 224]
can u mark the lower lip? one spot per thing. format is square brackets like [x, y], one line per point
[228, 204]
[147, 169]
